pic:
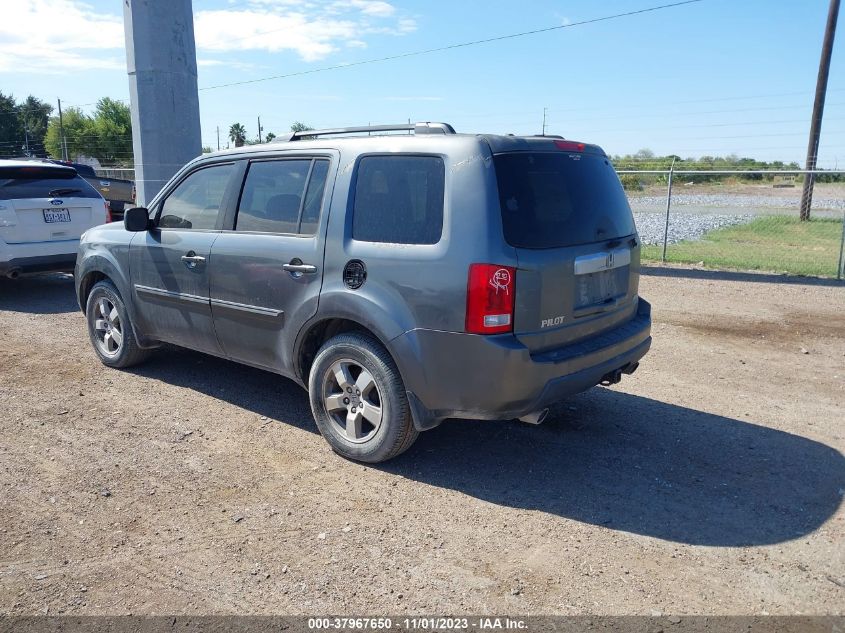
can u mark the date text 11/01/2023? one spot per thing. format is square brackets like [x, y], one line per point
[418, 624]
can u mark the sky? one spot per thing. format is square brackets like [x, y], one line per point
[716, 77]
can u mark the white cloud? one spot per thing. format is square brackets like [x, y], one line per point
[312, 29]
[54, 36]
[376, 8]
[203, 62]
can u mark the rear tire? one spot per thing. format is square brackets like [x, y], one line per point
[358, 399]
[110, 329]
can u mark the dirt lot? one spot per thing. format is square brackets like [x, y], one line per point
[709, 482]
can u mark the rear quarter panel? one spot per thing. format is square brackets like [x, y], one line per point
[416, 285]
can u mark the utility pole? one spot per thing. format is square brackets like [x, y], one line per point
[818, 109]
[259, 130]
[161, 59]
[26, 138]
[62, 132]
[544, 121]
[218, 138]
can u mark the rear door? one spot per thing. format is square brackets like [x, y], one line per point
[567, 215]
[46, 203]
[169, 264]
[267, 271]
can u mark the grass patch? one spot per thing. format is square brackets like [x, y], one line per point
[767, 243]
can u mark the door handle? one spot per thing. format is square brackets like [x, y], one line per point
[302, 269]
[191, 259]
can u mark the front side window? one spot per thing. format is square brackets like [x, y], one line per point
[399, 199]
[196, 202]
[282, 196]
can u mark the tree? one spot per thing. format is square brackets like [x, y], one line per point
[111, 126]
[237, 134]
[79, 135]
[35, 117]
[106, 136]
[11, 131]
[23, 126]
[299, 126]
[270, 136]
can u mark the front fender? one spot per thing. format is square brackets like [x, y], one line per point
[111, 262]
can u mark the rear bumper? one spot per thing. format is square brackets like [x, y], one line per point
[37, 257]
[495, 377]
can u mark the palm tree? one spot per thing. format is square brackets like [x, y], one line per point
[237, 134]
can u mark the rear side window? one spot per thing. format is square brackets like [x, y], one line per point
[43, 182]
[399, 199]
[551, 200]
[196, 201]
[282, 196]
[314, 198]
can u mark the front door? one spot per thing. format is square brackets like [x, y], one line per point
[267, 270]
[169, 264]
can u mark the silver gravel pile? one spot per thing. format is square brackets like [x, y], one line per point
[742, 201]
[683, 226]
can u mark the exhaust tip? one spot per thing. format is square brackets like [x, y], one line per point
[535, 418]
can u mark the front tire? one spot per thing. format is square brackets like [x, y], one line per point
[109, 328]
[358, 399]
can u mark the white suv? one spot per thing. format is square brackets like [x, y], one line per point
[44, 209]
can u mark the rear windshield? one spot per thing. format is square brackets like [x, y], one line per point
[43, 182]
[555, 199]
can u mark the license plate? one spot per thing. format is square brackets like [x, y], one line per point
[56, 215]
[600, 286]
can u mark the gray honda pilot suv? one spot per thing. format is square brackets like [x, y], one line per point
[402, 274]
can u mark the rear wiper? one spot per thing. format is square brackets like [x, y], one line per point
[63, 191]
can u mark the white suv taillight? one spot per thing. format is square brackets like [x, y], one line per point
[490, 299]
[108, 211]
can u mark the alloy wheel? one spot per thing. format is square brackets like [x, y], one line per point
[352, 400]
[108, 328]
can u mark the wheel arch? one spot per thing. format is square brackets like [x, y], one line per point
[98, 268]
[314, 335]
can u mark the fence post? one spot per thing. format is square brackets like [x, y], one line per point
[668, 205]
[839, 271]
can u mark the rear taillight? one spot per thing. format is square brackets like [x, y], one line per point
[490, 298]
[108, 211]
[570, 146]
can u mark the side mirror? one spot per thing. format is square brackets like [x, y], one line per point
[136, 219]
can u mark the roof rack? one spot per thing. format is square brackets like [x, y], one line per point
[425, 127]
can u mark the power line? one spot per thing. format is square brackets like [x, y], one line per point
[455, 46]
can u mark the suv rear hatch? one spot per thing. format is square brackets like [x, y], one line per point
[564, 210]
[44, 203]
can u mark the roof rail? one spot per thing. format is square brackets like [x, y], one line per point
[425, 127]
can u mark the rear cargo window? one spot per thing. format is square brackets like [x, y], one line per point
[551, 200]
[399, 199]
[43, 182]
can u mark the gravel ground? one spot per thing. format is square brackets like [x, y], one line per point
[709, 482]
[682, 226]
[757, 203]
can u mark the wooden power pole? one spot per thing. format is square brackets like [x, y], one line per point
[818, 109]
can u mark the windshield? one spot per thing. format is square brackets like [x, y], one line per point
[556, 199]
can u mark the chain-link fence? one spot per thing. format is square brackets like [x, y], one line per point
[731, 219]
[740, 220]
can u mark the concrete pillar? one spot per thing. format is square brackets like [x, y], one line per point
[161, 60]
